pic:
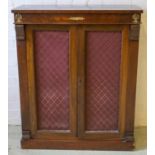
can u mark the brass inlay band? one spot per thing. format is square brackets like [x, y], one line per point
[76, 18]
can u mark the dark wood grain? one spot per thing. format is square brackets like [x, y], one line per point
[77, 144]
[60, 9]
[82, 76]
[81, 81]
[131, 89]
[73, 79]
[77, 20]
[105, 18]
[63, 14]
[32, 84]
[23, 80]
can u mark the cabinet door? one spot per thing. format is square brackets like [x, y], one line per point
[51, 60]
[102, 80]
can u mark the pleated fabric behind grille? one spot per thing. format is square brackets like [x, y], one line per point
[102, 80]
[52, 79]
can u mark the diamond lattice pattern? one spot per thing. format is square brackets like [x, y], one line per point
[102, 80]
[52, 79]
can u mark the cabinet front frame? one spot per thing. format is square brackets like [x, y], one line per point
[77, 84]
[52, 134]
[82, 133]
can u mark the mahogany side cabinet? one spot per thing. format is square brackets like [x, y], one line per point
[77, 74]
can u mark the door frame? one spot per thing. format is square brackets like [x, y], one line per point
[82, 76]
[52, 134]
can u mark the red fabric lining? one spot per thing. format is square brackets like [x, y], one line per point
[102, 80]
[52, 79]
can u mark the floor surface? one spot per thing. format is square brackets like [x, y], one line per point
[15, 136]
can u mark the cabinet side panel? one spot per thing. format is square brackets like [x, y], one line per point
[102, 80]
[23, 80]
[52, 79]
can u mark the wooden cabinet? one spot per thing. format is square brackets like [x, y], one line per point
[77, 71]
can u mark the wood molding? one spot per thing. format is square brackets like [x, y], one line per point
[134, 32]
[23, 80]
[76, 144]
[26, 134]
[129, 137]
[20, 32]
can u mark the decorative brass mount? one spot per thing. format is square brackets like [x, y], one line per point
[135, 18]
[18, 18]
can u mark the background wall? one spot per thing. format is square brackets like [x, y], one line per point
[13, 97]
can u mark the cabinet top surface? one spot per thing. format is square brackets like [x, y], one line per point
[77, 9]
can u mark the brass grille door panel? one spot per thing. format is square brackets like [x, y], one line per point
[102, 82]
[52, 96]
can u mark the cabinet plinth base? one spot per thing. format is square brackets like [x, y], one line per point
[77, 144]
